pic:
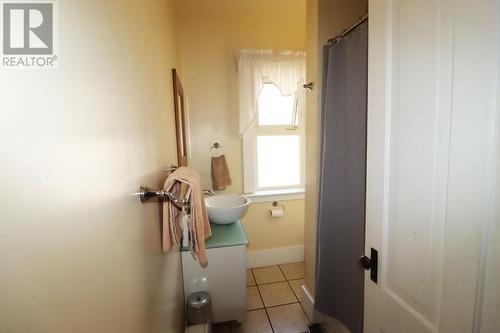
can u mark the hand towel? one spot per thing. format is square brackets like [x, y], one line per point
[220, 173]
[198, 224]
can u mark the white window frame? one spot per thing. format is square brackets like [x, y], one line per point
[250, 169]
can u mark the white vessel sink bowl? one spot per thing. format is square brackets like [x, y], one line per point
[226, 209]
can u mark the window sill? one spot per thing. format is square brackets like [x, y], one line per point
[276, 195]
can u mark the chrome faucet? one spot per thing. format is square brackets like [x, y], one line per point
[210, 193]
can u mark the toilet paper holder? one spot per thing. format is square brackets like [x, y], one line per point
[275, 206]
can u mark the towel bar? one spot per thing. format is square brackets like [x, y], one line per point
[146, 193]
[171, 168]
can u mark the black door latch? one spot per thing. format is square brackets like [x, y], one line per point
[371, 264]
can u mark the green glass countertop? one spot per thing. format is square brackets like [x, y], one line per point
[224, 235]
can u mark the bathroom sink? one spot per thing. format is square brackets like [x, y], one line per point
[226, 209]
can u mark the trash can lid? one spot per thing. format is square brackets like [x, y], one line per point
[199, 299]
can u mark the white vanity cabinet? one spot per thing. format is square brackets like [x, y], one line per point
[224, 277]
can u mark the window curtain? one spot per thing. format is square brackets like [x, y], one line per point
[286, 69]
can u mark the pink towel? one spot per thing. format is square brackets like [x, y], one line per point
[220, 173]
[198, 224]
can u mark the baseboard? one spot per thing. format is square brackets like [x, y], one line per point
[308, 306]
[280, 255]
[308, 303]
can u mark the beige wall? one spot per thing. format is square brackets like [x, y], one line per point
[209, 77]
[78, 253]
[325, 19]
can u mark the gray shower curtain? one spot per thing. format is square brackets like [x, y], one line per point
[341, 214]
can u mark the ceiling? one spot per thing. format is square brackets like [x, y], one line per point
[272, 12]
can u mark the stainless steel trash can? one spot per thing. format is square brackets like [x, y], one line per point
[199, 308]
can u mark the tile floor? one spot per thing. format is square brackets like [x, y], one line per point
[273, 295]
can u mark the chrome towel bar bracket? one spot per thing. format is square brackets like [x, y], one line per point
[171, 168]
[146, 193]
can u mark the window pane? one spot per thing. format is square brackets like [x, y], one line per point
[274, 108]
[278, 160]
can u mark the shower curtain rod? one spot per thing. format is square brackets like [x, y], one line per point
[348, 30]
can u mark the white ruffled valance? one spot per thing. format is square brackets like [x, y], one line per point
[286, 69]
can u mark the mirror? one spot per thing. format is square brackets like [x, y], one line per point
[180, 120]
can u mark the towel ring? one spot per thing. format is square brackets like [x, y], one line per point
[216, 146]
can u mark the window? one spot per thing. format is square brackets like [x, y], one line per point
[273, 145]
[275, 109]
[278, 160]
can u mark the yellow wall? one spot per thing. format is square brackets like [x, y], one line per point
[265, 232]
[209, 77]
[325, 19]
[78, 253]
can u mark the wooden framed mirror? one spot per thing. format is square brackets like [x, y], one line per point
[180, 120]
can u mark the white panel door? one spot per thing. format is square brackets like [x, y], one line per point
[412, 179]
